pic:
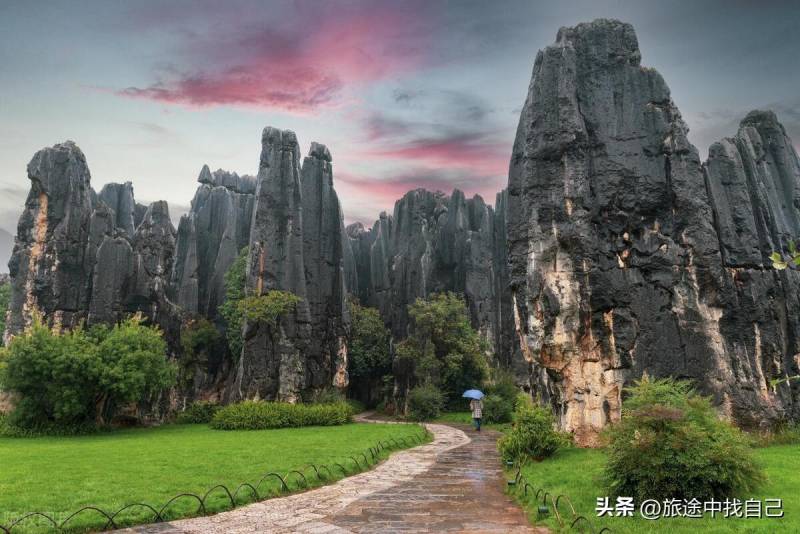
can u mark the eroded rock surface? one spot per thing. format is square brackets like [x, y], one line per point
[616, 268]
[296, 245]
[210, 238]
[434, 243]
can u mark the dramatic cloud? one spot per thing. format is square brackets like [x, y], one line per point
[307, 61]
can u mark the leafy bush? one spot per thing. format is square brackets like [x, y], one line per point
[267, 307]
[235, 280]
[329, 395]
[533, 435]
[497, 409]
[356, 405]
[425, 403]
[501, 398]
[257, 415]
[368, 355]
[198, 412]
[82, 377]
[784, 434]
[670, 443]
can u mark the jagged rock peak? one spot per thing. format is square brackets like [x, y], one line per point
[602, 41]
[244, 184]
[119, 198]
[320, 151]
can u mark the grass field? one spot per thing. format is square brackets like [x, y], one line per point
[575, 472]
[60, 475]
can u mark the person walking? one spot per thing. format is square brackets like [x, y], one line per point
[476, 405]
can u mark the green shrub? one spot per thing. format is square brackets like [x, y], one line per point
[670, 443]
[533, 435]
[784, 434]
[425, 403]
[198, 412]
[257, 415]
[368, 354]
[80, 378]
[329, 395]
[497, 409]
[235, 280]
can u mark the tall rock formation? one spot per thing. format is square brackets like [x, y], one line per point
[296, 245]
[616, 268]
[210, 238]
[324, 259]
[77, 255]
[48, 269]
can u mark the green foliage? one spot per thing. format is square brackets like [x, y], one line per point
[670, 443]
[787, 433]
[780, 262]
[5, 297]
[443, 349]
[240, 307]
[368, 355]
[501, 399]
[198, 338]
[267, 308]
[235, 280]
[257, 415]
[82, 377]
[329, 395]
[198, 412]
[533, 435]
[425, 403]
[497, 409]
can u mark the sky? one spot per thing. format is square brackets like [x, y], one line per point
[405, 94]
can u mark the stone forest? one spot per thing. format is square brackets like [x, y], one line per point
[616, 256]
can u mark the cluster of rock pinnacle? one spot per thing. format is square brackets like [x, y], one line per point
[615, 252]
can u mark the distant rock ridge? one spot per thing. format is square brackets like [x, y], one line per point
[435, 243]
[628, 256]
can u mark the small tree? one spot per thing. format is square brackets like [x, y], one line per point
[239, 306]
[369, 358]
[442, 349]
[670, 443]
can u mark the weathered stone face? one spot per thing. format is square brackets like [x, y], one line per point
[210, 237]
[47, 267]
[77, 255]
[616, 268]
[296, 245]
[436, 243]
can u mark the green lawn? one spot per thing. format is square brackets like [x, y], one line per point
[60, 475]
[575, 472]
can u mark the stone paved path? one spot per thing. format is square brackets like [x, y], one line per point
[454, 484]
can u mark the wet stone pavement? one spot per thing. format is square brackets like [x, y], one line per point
[462, 492]
[453, 484]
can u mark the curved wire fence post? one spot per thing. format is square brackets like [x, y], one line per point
[157, 516]
[296, 472]
[578, 519]
[227, 493]
[252, 488]
[201, 507]
[29, 516]
[284, 487]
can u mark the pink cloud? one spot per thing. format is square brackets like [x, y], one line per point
[465, 152]
[316, 56]
[367, 196]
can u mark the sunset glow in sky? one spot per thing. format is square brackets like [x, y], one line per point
[405, 94]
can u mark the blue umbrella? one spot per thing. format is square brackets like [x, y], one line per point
[473, 394]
